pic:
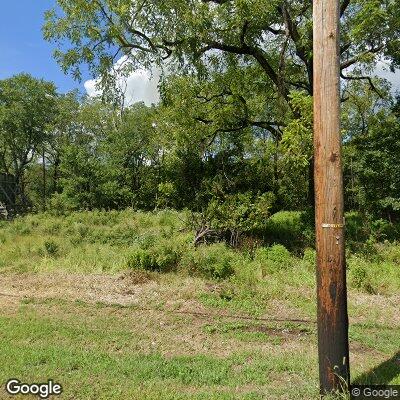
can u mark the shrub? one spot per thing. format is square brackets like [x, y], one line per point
[357, 227]
[166, 193]
[390, 252]
[213, 261]
[384, 230]
[166, 257]
[59, 204]
[273, 259]
[247, 271]
[141, 259]
[161, 258]
[289, 228]
[359, 275]
[231, 216]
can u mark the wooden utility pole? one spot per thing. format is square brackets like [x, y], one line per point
[333, 347]
[44, 178]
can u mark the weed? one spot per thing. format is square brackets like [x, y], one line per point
[310, 258]
[359, 275]
[52, 248]
[214, 261]
[274, 258]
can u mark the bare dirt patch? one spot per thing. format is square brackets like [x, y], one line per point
[172, 293]
[9, 303]
[357, 348]
[124, 289]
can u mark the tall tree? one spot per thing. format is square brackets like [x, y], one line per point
[211, 34]
[270, 41]
[371, 150]
[27, 108]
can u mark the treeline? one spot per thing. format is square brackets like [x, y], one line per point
[231, 138]
[190, 151]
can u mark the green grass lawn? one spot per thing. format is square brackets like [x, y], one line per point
[77, 308]
[112, 353]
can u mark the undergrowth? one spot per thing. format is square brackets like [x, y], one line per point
[100, 241]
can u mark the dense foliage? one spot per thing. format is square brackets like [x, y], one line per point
[99, 157]
[230, 140]
[205, 199]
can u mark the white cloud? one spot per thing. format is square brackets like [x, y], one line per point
[142, 85]
[139, 86]
[90, 87]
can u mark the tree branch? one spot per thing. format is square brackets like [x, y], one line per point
[244, 49]
[271, 127]
[344, 6]
[344, 48]
[355, 59]
[301, 51]
[124, 43]
[367, 78]
[213, 97]
[244, 31]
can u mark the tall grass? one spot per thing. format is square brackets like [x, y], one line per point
[100, 241]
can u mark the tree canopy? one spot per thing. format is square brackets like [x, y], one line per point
[213, 35]
[27, 109]
[233, 128]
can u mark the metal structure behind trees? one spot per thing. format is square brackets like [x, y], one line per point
[8, 195]
[333, 346]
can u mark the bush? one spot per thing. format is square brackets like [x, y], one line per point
[384, 230]
[61, 204]
[231, 216]
[273, 259]
[357, 228]
[213, 261]
[390, 253]
[141, 259]
[163, 257]
[292, 229]
[359, 275]
[166, 257]
[247, 271]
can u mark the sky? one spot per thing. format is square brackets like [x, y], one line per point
[23, 49]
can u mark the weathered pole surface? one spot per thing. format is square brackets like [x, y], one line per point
[44, 179]
[333, 347]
